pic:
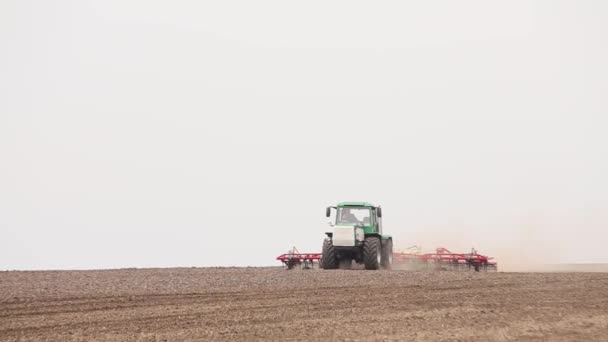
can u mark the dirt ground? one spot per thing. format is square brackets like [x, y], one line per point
[246, 304]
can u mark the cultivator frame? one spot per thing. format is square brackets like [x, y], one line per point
[445, 260]
[294, 258]
[442, 260]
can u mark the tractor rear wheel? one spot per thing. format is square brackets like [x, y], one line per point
[329, 258]
[387, 254]
[372, 253]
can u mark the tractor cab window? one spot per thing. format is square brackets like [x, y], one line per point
[354, 216]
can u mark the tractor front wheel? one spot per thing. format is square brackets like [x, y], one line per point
[372, 253]
[329, 258]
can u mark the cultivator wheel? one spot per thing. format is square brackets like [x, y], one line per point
[291, 263]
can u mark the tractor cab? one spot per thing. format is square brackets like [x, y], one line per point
[361, 214]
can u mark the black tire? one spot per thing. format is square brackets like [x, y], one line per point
[329, 258]
[372, 253]
[387, 254]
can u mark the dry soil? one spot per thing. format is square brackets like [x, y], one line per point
[246, 304]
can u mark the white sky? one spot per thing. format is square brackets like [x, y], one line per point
[189, 133]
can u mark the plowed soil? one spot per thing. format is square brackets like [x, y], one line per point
[246, 304]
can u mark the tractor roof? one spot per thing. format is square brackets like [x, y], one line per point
[356, 204]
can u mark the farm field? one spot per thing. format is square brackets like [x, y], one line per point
[265, 304]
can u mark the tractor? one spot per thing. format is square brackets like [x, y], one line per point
[356, 236]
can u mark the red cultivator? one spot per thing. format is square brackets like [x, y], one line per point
[443, 259]
[294, 258]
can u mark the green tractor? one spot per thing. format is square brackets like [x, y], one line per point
[357, 236]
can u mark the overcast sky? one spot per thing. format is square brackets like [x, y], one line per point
[189, 133]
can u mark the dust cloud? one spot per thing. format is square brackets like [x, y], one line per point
[518, 249]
